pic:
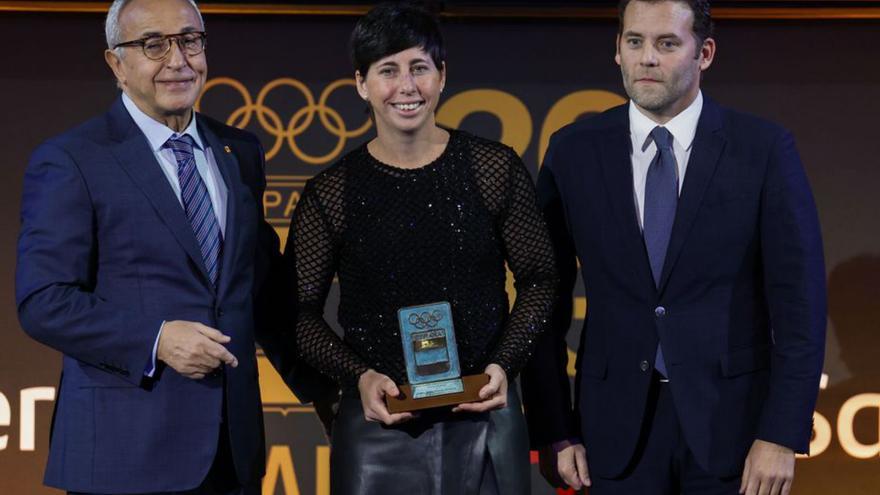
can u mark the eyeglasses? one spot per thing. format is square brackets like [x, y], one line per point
[157, 47]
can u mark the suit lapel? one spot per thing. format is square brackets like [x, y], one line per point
[228, 166]
[618, 176]
[132, 152]
[707, 148]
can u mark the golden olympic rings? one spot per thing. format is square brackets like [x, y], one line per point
[272, 123]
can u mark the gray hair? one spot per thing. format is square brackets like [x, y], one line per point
[111, 25]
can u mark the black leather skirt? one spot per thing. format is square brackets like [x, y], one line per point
[437, 453]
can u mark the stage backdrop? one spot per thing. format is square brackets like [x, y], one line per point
[287, 79]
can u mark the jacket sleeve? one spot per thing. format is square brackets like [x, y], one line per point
[794, 279]
[545, 384]
[56, 274]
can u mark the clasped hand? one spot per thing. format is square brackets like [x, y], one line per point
[374, 386]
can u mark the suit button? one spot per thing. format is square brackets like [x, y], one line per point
[219, 313]
[659, 311]
[643, 366]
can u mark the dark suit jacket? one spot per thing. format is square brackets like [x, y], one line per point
[743, 288]
[105, 254]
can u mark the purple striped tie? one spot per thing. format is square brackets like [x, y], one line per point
[197, 204]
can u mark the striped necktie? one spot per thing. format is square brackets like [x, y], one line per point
[197, 204]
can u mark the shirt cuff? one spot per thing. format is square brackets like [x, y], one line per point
[151, 366]
[564, 444]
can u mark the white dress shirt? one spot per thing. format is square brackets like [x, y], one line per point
[157, 135]
[683, 127]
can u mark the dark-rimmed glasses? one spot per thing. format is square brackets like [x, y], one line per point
[157, 47]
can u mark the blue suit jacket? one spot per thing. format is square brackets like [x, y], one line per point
[743, 288]
[105, 255]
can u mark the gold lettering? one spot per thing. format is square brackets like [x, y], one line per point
[322, 470]
[280, 463]
[845, 432]
[28, 420]
[5, 419]
[292, 200]
[821, 436]
[516, 122]
[271, 199]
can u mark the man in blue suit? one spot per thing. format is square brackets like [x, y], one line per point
[143, 257]
[700, 251]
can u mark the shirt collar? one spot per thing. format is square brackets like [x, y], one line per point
[156, 132]
[683, 126]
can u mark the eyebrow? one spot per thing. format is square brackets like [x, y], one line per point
[157, 34]
[150, 34]
[391, 63]
[629, 34]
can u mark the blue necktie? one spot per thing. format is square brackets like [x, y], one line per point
[197, 204]
[661, 198]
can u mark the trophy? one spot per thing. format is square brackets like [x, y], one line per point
[432, 365]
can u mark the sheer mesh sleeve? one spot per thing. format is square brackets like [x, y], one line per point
[529, 256]
[316, 263]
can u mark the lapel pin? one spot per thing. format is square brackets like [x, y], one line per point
[227, 149]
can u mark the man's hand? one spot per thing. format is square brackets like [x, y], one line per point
[571, 464]
[374, 386]
[193, 349]
[769, 470]
[547, 466]
[493, 394]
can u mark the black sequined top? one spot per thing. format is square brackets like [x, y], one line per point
[403, 237]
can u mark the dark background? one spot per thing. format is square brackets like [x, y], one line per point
[819, 78]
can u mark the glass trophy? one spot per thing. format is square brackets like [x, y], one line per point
[432, 367]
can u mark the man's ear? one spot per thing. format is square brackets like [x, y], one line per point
[114, 60]
[617, 49]
[707, 53]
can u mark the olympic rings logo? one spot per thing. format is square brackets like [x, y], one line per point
[272, 123]
[426, 319]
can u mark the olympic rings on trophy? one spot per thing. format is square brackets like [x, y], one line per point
[272, 123]
[425, 319]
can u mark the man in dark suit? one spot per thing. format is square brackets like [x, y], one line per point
[701, 256]
[143, 257]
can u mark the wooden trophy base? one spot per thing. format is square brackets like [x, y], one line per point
[405, 402]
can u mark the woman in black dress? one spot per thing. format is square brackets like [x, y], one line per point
[420, 214]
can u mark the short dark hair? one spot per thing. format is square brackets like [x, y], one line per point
[703, 26]
[391, 28]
